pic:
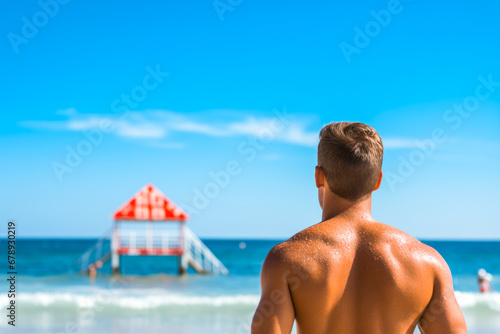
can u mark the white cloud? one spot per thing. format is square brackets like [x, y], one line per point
[194, 127]
[250, 126]
[83, 124]
[140, 130]
[162, 123]
[296, 135]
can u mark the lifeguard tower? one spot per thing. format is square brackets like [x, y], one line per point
[151, 224]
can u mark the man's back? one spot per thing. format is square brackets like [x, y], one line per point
[350, 273]
[361, 277]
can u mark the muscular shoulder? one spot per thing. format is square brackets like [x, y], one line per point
[415, 253]
[411, 248]
[435, 262]
[295, 257]
[285, 254]
[309, 253]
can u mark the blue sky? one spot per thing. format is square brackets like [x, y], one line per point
[170, 93]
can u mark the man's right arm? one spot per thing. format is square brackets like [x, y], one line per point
[442, 315]
[275, 313]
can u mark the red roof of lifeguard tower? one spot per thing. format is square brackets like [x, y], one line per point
[150, 204]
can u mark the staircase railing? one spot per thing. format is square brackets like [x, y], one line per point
[204, 260]
[100, 251]
[144, 239]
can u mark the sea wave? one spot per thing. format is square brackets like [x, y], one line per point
[478, 301]
[161, 299]
[106, 299]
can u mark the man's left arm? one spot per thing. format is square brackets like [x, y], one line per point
[275, 313]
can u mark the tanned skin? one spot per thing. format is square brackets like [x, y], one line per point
[350, 274]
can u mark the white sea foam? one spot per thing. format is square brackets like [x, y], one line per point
[158, 307]
[129, 301]
[143, 299]
[479, 301]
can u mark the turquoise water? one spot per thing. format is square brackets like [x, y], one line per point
[149, 298]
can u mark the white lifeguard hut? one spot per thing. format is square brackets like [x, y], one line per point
[150, 224]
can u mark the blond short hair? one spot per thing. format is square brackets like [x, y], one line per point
[350, 155]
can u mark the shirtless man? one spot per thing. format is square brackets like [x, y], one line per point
[349, 273]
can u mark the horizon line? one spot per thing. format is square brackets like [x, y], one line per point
[236, 238]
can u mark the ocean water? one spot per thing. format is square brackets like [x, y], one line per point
[149, 297]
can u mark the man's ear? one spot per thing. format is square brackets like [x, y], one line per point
[320, 177]
[379, 181]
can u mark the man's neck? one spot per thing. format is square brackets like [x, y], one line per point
[335, 206]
